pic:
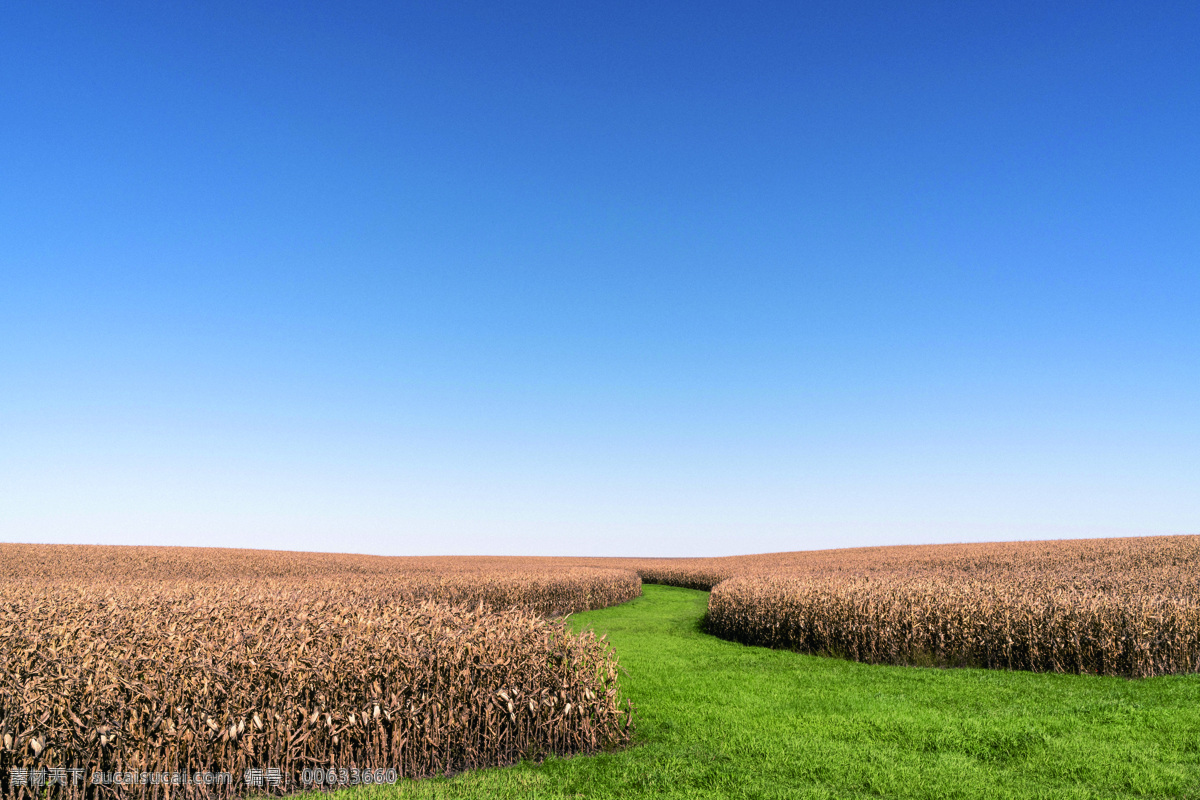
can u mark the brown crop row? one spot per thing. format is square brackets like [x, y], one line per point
[180, 676]
[940, 621]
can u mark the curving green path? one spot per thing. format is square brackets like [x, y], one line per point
[718, 719]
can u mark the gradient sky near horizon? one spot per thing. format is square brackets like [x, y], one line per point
[598, 279]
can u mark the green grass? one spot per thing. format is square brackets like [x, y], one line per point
[718, 719]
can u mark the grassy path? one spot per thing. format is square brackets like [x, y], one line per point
[717, 719]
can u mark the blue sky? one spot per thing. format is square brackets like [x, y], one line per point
[598, 279]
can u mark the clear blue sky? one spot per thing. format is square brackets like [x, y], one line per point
[598, 278]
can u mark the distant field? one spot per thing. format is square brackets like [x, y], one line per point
[153, 660]
[550, 587]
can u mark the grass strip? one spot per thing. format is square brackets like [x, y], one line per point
[720, 719]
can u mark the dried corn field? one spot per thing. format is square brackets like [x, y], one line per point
[183, 660]
[148, 661]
